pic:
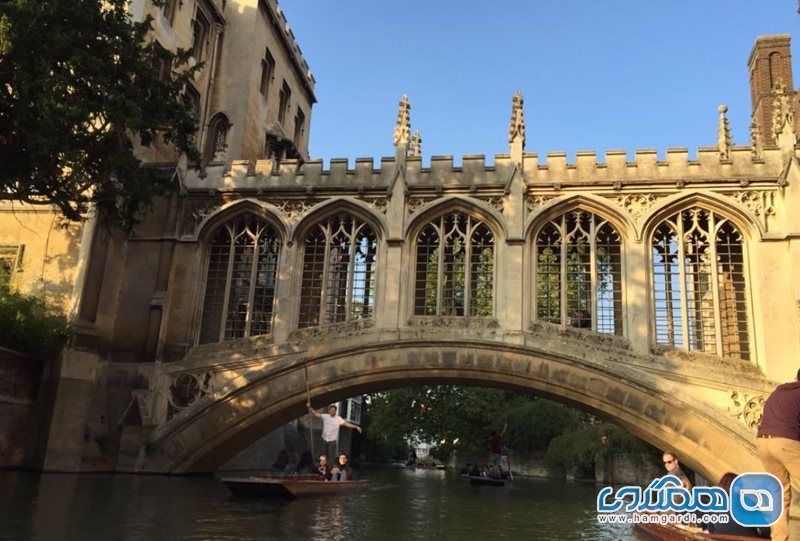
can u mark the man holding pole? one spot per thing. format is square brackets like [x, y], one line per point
[330, 428]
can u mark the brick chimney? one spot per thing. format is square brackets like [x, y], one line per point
[770, 61]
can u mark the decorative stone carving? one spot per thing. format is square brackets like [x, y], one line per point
[534, 201]
[455, 322]
[186, 389]
[760, 202]
[195, 213]
[724, 141]
[293, 210]
[782, 112]
[748, 408]
[335, 330]
[497, 202]
[636, 204]
[516, 129]
[402, 131]
[416, 144]
[415, 204]
[381, 204]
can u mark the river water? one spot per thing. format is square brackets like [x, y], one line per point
[399, 505]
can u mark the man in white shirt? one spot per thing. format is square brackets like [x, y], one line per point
[330, 428]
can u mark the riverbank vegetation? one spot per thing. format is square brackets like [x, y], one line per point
[30, 325]
[460, 419]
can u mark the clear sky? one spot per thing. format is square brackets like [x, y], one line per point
[619, 74]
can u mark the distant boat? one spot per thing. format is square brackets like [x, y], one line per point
[290, 486]
[670, 532]
[488, 481]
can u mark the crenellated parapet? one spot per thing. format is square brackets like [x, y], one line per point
[279, 19]
[554, 170]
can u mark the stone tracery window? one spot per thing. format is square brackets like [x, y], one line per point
[339, 266]
[455, 267]
[579, 272]
[240, 282]
[699, 284]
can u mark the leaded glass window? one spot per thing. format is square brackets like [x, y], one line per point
[579, 272]
[699, 284]
[240, 281]
[455, 268]
[338, 271]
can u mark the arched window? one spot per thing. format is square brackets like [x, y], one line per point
[240, 283]
[699, 285]
[216, 139]
[579, 272]
[455, 268]
[338, 271]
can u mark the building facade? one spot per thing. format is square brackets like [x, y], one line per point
[699, 255]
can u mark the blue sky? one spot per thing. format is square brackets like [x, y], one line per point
[620, 74]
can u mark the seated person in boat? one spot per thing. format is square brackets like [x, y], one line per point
[475, 471]
[305, 465]
[323, 469]
[342, 471]
[281, 464]
[733, 527]
[466, 469]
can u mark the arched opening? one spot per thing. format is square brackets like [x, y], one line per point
[454, 273]
[700, 284]
[339, 264]
[578, 272]
[216, 139]
[240, 280]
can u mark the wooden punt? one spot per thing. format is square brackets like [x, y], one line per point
[670, 532]
[487, 481]
[289, 486]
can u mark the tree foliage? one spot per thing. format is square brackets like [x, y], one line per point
[30, 325]
[586, 446]
[80, 82]
[457, 417]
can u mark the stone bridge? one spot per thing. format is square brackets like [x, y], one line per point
[702, 406]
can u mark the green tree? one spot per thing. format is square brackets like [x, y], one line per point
[79, 83]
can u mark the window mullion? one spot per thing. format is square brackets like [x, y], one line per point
[713, 266]
[564, 285]
[248, 318]
[323, 305]
[440, 268]
[228, 277]
[593, 269]
[682, 285]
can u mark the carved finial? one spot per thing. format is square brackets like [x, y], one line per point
[724, 141]
[402, 130]
[782, 111]
[516, 130]
[755, 139]
[416, 144]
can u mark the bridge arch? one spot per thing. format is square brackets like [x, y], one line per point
[251, 402]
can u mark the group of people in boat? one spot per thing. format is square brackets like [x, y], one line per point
[338, 470]
[731, 527]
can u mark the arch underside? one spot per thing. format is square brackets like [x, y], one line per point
[258, 400]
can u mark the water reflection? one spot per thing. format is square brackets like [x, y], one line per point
[399, 505]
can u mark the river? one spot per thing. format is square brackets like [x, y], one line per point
[399, 505]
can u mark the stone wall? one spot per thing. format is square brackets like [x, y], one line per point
[20, 376]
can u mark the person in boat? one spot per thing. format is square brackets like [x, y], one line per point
[330, 427]
[496, 444]
[323, 469]
[305, 465]
[281, 464]
[412, 458]
[673, 467]
[466, 469]
[778, 444]
[342, 471]
[732, 527]
[475, 471]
